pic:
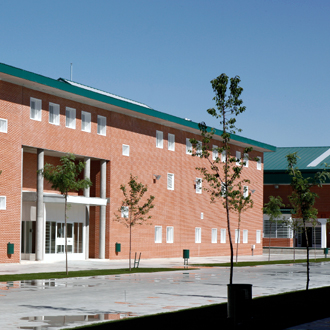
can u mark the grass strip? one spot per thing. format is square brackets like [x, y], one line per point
[82, 273]
[261, 263]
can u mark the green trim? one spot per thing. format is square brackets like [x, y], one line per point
[63, 86]
[283, 177]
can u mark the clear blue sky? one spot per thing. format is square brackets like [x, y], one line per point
[164, 54]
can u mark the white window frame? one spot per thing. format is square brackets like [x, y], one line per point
[199, 185]
[159, 139]
[198, 235]
[125, 150]
[101, 125]
[124, 212]
[70, 118]
[169, 234]
[3, 125]
[246, 160]
[3, 202]
[171, 142]
[35, 113]
[170, 181]
[259, 163]
[238, 158]
[245, 191]
[214, 235]
[158, 234]
[258, 236]
[245, 236]
[215, 153]
[188, 147]
[223, 235]
[86, 119]
[237, 236]
[54, 114]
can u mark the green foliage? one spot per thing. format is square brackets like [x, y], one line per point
[223, 178]
[273, 208]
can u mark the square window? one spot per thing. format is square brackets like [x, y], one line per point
[245, 235]
[35, 109]
[170, 181]
[259, 163]
[159, 139]
[125, 150]
[169, 234]
[101, 125]
[198, 185]
[214, 235]
[171, 142]
[188, 147]
[124, 211]
[3, 125]
[54, 114]
[223, 235]
[198, 235]
[2, 202]
[85, 121]
[70, 118]
[158, 234]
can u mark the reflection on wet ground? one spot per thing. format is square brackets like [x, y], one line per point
[46, 322]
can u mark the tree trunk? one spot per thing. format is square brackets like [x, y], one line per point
[307, 252]
[270, 232]
[239, 234]
[231, 245]
[130, 245]
[66, 235]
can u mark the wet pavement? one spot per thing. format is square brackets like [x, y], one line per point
[58, 303]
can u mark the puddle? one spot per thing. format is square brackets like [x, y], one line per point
[46, 322]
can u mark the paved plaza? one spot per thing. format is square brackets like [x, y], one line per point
[54, 304]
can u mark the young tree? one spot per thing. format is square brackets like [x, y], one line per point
[240, 202]
[273, 210]
[65, 178]
[222, 183]
[303, 199]
[131, 211]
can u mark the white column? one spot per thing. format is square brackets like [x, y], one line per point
[103, 186]
[87, 194]
[323, 223]
[39, 255]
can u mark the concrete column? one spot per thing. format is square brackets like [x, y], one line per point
[103, 191]
[323, 223]
[39, 255]
[87, 194]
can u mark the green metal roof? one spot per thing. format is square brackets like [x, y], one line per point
[17, 75]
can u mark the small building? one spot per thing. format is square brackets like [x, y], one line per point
[43, 119]
[277, 183]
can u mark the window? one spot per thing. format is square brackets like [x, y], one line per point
[188, 147]
[170, 181]
[85, 121]
[169, 234]
[223, 189]
[223, 156]
[214, 235]
[245, 235]
[101, 125]
[199, 147]
[198, 235]
[125, 150]
[2, 202]
[159, 139]
[70, 118]
[198, 185]
[124, 211]
[245, 191]
[215, 154]
[237, 236]
[238, 158]
[35, 109]
[158, 234]
[258, 236]
[223, 235]
[3, 125]
[246, 160]
[54, 114]
[171, 142]
[259, 163]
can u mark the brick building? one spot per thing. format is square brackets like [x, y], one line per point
[277, 183]
[42, 119]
